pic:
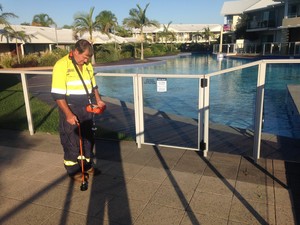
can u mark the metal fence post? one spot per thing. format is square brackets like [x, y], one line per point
[27, 103]
[259, 109]
[141, 131]
[136, 111]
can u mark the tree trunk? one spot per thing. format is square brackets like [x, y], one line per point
[17, 51]
[142, 50]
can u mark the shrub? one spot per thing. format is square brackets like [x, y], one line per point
[106, 53]
[148, 52]
[127, 51]
[158, 49]
[60, 52]
[6, 61]
[30, 60]
[49, 59]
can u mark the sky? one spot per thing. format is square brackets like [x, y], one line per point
[163, 11]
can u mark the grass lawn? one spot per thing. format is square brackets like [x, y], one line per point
[45, 117]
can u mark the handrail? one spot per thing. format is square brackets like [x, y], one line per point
[203, 103]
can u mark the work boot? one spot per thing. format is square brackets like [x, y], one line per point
[93, 171]
[78, 177]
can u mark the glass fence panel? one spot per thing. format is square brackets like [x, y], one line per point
[232, 110]
[281, 116]
[171, 111]
[117, 92]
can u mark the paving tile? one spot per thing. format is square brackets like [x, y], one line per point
[151, 185]
[111, 150]
[251, 212]
[230, 222]
[147, 173]
[127, 170]
[24, 170]
[140, 156]
[283, 197]
[49, 195]
[281, 179]
[182, 180]
[14, 212]
[217, 169]
[158, 214]
[279, 165]
[109, 184]
[216, 185]
[52, 173]
[139, 190]
[225, 159]
[20, 188]
[69, 218]
[165, 158]
[174, 197]
[122, 211]
[211, 204]
[251, 174]
[191, 162]
[256, 192]
[89, 203]
[266, 165]
[191, 218]
[285, 214]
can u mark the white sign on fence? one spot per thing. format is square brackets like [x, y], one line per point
[161, 84]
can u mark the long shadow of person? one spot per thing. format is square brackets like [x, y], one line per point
[109, 200]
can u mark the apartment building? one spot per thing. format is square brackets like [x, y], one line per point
[272, 26]
[183, 33]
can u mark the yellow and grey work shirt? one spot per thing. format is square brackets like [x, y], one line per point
[66, 81]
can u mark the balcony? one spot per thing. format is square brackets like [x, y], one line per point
[261, 24]
[291, 22]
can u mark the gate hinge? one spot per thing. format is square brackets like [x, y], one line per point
[202, 145]
[204, 82]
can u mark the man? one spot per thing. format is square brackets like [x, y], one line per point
[71, 97]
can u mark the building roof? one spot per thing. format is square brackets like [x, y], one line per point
[42, 35]
[52, 35]
[236, 7]
[262, 4]
[240, 6]
[182, 28]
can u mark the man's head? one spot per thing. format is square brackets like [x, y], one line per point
[83, 51]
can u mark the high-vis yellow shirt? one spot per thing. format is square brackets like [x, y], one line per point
[66, 81]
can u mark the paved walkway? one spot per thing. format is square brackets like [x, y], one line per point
[151, 185]
[143, 186]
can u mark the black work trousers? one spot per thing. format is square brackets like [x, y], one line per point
[70, 139]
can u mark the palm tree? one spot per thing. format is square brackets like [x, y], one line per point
[42, 20]
[197, 35]
[84, 23]
[166, 34]
[122, 31]
[106, 22]
[138, 19]
[10, 33]
[5, 16]
[207, 34]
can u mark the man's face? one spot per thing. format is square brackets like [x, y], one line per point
[81, 58]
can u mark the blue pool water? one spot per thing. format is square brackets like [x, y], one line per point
[232, 95]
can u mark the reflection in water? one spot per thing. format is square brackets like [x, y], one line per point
[232, 95]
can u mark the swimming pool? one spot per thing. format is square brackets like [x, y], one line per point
[232, 95]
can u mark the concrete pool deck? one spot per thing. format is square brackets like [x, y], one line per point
[151, 185]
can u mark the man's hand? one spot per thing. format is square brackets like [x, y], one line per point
[101, 104]
[70, 117]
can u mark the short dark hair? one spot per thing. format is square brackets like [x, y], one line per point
[83, 45]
